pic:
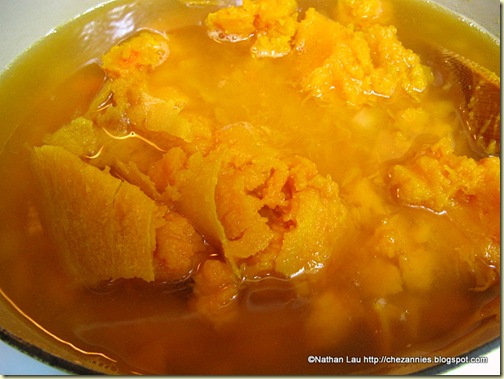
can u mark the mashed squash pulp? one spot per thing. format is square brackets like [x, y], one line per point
[290, 174]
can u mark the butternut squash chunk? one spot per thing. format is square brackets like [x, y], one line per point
[106, 228]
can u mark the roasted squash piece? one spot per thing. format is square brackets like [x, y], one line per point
[362, 13]
[195, 187]
[141, 53]
[356, 66]
[468, 191]
[272, 23]
[438, 179]
[80, 137]
[215, 291]
[179, 248]
[133, 100]
[268, 213]
[106, 228]
[315, 217]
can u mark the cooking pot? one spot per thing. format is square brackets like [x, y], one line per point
[23, 23]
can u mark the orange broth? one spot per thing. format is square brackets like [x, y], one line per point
[350, 309]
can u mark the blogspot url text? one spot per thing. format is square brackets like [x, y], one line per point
[387, 359]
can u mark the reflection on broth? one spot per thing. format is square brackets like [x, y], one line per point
[231, 191]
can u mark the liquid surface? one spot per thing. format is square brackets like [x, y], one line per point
[353, 307]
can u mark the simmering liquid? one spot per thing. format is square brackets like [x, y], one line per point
[351, 309]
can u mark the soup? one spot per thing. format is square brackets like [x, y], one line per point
[269, 188]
